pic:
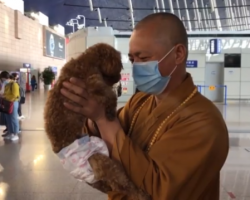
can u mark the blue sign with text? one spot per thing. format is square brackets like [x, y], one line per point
[215, 46]
[192, 63]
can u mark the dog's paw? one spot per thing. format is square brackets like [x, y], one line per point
[101, 186]
[95, 162]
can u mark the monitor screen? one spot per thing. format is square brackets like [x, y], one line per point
[232, 60]
[55, 45]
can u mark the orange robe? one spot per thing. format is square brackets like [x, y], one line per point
[185, 161]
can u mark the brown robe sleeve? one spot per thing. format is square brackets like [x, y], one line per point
[184, 162]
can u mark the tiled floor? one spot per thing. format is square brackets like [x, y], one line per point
[30, 171]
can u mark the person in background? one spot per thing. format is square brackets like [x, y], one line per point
[2, 117]
[33, 83]
[14, 77]
[11, 93]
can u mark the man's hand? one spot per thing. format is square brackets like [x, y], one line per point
[75, 91]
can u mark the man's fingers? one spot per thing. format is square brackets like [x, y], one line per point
[73, 97]
[77, 89]
[77, 81]
[74, 108]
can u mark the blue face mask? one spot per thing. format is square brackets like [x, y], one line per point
[5, 81]
[147, 76]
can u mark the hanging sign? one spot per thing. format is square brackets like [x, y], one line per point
[26, 65]
[215, 46]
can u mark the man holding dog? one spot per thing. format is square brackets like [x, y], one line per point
[171, 141]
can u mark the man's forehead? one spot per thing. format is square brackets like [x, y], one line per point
[143, 32]
[139, 45]
[143, 42]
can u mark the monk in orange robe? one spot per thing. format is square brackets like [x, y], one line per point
[171, 140]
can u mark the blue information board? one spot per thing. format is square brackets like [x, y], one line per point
[192, 63]
[215, 46]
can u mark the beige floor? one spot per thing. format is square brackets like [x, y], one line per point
[30, 171]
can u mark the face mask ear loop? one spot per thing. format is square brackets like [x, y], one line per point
[173, 71]
[166, 54]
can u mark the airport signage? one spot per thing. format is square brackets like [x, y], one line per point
[215, 46]
[26, 65]
[192, 63]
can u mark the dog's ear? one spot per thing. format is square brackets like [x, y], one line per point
[108, 60]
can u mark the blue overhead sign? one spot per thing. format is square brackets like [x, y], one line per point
[192, 63]
[26, 65]
[215, 46]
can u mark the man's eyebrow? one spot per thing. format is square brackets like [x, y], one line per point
[138, 53]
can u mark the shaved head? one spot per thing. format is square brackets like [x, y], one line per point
[168, 28]
[161, 37]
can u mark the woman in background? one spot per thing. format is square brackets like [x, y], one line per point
[33, 83]
[14, 77]
[11, 93]
[2, 117]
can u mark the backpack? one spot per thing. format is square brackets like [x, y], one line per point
[22, 95]
[10, 85]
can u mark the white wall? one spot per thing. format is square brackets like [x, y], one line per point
[237, 80]
[84, 38]
[198, 73]
[76, 45]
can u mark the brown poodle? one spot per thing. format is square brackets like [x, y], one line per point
[99, 66]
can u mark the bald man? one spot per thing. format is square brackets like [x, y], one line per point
[171, 140]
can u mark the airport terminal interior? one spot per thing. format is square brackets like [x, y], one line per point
[35, 51]
[31, 171]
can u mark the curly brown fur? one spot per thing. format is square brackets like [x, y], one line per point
[99, 66]
[112, 173]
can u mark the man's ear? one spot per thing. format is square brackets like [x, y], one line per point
[181, 54]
